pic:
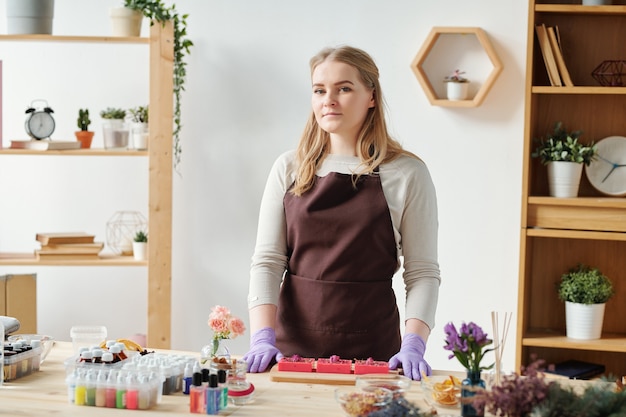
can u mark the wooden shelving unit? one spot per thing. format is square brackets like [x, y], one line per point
[559, 233]
[160, 167]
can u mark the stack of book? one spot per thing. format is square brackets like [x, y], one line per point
[552, 51]
[68, 245]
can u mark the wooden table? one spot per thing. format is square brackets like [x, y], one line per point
[45, 393]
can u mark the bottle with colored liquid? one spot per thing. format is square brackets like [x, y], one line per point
[80, 392]
[132, 392]
[187, 378]
[120, 393]
[111, 390]
[221, 382]
[196, 394]
[101, 386]
[213, 396]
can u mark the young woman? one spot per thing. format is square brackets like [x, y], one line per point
[336, 216]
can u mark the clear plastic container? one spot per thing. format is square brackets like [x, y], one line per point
[87, 336]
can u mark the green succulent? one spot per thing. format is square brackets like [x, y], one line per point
[141, 236]
[585, 285]
[113, 113]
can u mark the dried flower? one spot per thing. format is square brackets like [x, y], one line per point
[468, 345]
[516, 395]
[224, 326]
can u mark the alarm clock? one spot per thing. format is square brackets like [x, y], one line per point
[39, 121]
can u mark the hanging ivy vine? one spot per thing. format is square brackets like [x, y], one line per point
[157, 11]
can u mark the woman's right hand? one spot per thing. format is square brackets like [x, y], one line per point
[262, 351]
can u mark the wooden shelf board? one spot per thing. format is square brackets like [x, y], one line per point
[575, 234]
[600, 202]
[21, 259]
[64, 38]
[579, 8]
[75, 152]
[583, 89]
[608, 342]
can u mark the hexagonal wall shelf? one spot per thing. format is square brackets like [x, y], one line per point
[472, 47]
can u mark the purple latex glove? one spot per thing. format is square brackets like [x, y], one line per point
[411, 356]
[262, 350]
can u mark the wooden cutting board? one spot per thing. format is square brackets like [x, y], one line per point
[313, 377]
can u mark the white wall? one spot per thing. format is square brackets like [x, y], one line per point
[246, 100]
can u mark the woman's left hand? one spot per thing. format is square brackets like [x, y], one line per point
[411, 357]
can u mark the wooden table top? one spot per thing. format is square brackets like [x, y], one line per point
[45, 393]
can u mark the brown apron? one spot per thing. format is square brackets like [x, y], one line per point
[337, 298]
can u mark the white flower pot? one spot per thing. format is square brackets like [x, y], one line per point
[29, 17]
[140, 251]
[139, 135]
[457, 91]
[584, 321]
[564, 178]
[125, 22]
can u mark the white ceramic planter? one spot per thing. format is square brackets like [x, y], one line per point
[125, 22]
[139, 135]
[564, 178]
[29, 17]
[140, 251]
[457, 91]
[584, 321]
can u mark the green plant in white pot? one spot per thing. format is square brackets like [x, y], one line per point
[140, 245]
[139, 127]
[457, 86]
[114, 129]
[564, 155]
[585, 291]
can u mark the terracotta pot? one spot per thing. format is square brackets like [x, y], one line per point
[84, 137]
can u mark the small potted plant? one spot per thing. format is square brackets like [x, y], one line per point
[564, 156]
[114, 129]
[84, 135]
[140, 245]
[585, 291]
[126, 19]
[457, 85]
[139, 126]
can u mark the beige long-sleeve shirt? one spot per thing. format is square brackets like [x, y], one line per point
[412, 201]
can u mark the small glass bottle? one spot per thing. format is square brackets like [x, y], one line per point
[213, 396]
[196, 394]
[187, 377]
[221, 381]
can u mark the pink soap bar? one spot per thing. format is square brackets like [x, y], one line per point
[337, 366]
[371, 367]
[296, 364]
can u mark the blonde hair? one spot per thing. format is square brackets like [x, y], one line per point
[374, 144]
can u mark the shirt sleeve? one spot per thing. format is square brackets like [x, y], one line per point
[412, 202]
[269, 260]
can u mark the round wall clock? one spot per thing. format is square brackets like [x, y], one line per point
[39, 121]
[607, 172]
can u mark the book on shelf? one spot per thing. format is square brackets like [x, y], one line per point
[65, 256]
[548, 55]
[555, 43]
[45, 144]
[72, 248]
[574, 369]
[64, 237]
